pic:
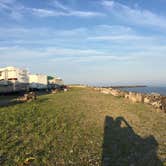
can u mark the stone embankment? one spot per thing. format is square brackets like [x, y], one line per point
[154, 99]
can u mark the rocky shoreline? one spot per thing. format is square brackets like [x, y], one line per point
[156, 100]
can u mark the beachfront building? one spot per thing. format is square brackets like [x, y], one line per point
[13, 79]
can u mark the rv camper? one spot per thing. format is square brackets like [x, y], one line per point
[13, 79]
[54, 82]
[38, 81]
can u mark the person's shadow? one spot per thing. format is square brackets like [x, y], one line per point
[123, 147]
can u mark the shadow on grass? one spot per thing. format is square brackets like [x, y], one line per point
[123, 147]
[10, 99]
[8, 102]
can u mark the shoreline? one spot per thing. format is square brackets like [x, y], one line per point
[127, 86]
[157, 100]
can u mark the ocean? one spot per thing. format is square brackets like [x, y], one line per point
[160, 90]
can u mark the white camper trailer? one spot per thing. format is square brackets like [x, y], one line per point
[56, 80]
[38, 81]
[13, 79]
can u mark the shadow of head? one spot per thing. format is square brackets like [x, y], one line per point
[123, 147]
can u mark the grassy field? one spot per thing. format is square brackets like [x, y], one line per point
[82, 127]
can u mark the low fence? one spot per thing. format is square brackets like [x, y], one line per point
[156, 100]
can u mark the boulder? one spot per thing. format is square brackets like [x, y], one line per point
[105, 90]
[54, 91]
[31, 96]
[65, 89]
[154, 99]
[136, 97]
[163, 104]
[157, 104]
[115, 92]
[147, 99]
[27, 97]
[126, 95]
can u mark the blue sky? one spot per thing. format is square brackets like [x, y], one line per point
[86, 41]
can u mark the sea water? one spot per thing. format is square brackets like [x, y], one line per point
[160, 90]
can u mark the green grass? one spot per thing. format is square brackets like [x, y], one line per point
[71, 129]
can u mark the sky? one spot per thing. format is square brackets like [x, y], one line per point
[96, 42]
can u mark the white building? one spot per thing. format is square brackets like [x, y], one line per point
[38, 81]
[13, 79]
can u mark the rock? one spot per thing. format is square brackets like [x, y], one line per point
[32, 96]
[147, 100]
[163, 104]
[154, 99]
[105, 91]
[115, 92]
[157, 104]
[27, 97]
[136, 97]
[54, 91]
[65, 89]
[126, 95]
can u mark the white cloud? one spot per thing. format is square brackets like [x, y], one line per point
[73, 12]
[40, 35]
[115, 28]
[105, 31]
[11, 8]
[14, 54]
[104, 37]
[17, 11]
[120, 38]
[5, 2]
[56, 3]
[53, 13]
[135, 15]
[45, 12]
[85, 14]
[93, 62]
[50, 53]
[108, 3]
